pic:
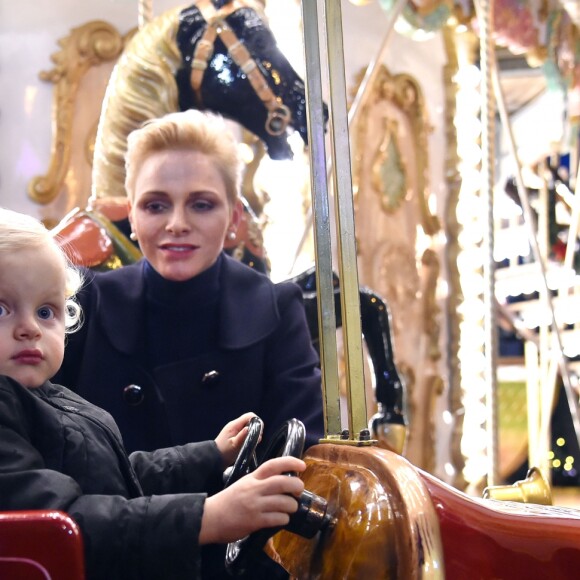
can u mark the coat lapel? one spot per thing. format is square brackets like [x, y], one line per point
[121, 307]
[248, 307]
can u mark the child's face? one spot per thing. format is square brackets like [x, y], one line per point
[32, 307]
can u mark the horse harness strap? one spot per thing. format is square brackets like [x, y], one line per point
[278, 114]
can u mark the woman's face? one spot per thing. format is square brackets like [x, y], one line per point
[180, 212]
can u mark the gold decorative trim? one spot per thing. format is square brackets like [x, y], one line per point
[86, 46]
[404, 93]
[396, 259]
[434, 386]
[90, 143]
[431, 309]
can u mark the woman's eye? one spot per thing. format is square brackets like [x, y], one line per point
[202, 205]
[155, 206]
[3, 310]
[45, 313]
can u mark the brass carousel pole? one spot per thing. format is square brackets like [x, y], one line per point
[358, 433]
[322, 235]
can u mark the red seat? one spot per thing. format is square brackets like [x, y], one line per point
[40, 544]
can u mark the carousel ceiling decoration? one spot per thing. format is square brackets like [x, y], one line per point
[544, 31]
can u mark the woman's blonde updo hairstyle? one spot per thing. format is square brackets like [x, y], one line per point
[190, 130]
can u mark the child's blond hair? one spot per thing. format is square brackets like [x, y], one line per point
[19, 231]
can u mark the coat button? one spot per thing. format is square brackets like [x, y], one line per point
[133, 395]
[210, 378]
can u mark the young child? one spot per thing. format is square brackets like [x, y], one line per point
[143, 515]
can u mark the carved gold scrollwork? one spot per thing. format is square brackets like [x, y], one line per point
[400, 164]
[434, 387]
[88, 45]
[431, 310]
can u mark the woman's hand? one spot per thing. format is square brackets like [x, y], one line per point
[232, 437]
[264, 498]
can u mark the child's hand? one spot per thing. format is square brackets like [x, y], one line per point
[232, 437]
[264, 498]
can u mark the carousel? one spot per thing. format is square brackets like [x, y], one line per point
[398, 170]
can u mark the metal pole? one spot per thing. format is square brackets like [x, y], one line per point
[344, 205]
[322, 237]
[358, 433]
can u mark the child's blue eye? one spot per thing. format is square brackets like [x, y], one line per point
[45, 312]
[3, 310]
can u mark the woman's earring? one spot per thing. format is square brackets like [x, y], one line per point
[231, 235]
[133, 236]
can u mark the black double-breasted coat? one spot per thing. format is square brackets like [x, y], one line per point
[264, 361]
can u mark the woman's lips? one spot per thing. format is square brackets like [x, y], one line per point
[178, 249]
[175, 246]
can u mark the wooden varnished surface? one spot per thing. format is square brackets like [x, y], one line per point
[378, 531]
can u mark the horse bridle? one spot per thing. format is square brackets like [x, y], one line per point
[279, 114]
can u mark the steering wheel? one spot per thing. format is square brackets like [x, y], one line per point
[288, 440]
[246, 461]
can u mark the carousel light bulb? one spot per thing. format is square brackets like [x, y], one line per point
[468, 76]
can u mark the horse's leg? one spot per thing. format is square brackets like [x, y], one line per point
[389, 424]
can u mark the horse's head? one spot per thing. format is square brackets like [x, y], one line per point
[216, 54]
[231, 64]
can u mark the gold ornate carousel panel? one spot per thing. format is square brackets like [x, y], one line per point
[82, 69]
[396, 255]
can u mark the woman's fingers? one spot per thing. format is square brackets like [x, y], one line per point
[240, 423]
